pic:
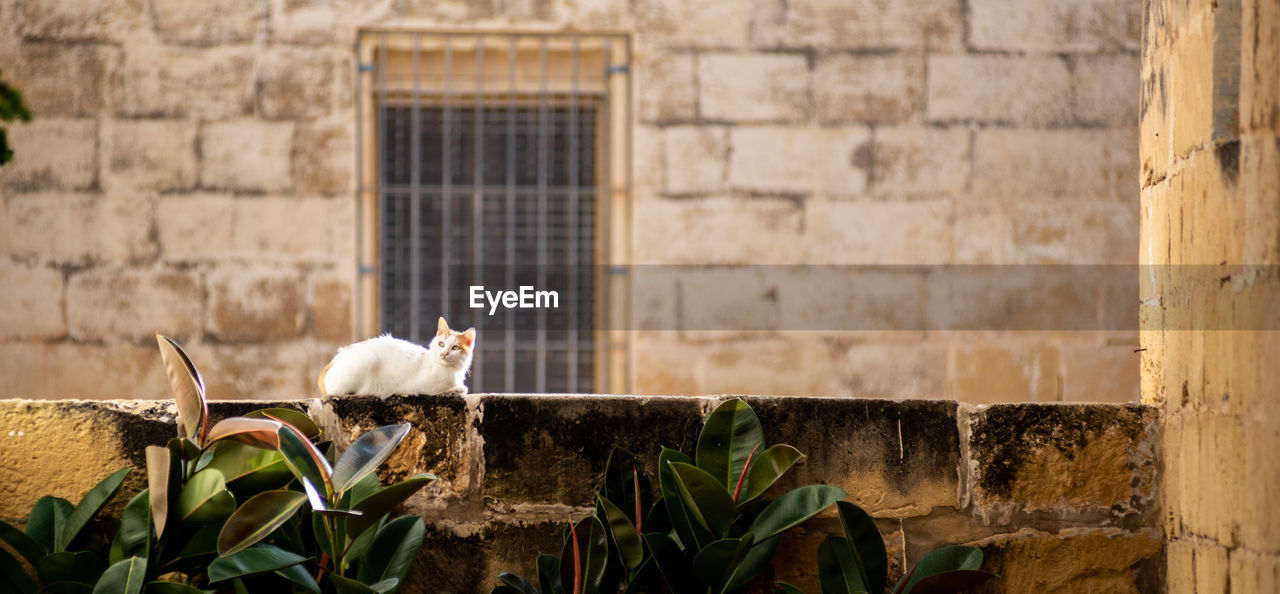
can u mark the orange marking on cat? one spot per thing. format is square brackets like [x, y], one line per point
[320, 380]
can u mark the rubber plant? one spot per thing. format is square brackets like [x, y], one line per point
[708, 531]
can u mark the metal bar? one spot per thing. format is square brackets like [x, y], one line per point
[447, 174]
[540, 356]
[509, 352]
[382, 169]
[415, 204]
[572, 231]
[477, 206]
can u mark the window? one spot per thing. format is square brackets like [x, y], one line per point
[497, 160]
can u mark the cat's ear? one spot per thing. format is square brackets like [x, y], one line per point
[442, 328]
[468, 337]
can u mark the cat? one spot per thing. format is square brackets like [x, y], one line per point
[386, 365]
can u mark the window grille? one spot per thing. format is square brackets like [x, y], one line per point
[494, 167]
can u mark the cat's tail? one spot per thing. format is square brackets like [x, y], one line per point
[320, 380]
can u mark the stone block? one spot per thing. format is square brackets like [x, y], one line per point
[322, 157]
[1006, 373]
[81, 229]
[71, 20]
[1018, 90]
[133, 304]
[746, 364]
[880, 370]
[1066, 459]
[650, 172]
[983, 234]
[869, 88]
[31, 304]
[17, 362]
[196, 227]
[1254, 572]
[921, 161]
[858, 24]
[95, 372]
[883, 453]
[1107, 89]
[697, 158]
[1071, 164]
[52, 154]
[1097, 373]
[78, 90]
[278, 228]
[1087, 26]
[331, 297]
[296, 83]
[553, 449]
[262, 370]
[151, 155]
[218, 21]
[666, 361]
[437, 442]
[1261, 530]
[848, 298]
[780, 159]
[1075, 560]
[753, 87]
[119, 435]
[667, 88]
[1192, 60]
[680, 24]
[709, 231]
[875, 232]
[1103, 232]
[255, 305]
[163, 81]
[247, 155]
[493, 548]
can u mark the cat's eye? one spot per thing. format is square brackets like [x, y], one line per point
[457, 348]
[442, 344]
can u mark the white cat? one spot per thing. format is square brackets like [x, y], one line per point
[385, 365]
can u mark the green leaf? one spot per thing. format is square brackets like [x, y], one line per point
[785, 588]
[705, 500]
[173, 588]
[46, 520]
[304, 459]
[717, 561]
[755, 560]
[89, 506]
[204, 543]
[123, 577]
[161, 466]
[366, 453]
[866, 543]
[766, 468]
[188, 390]
[591, 557]
[623, 531]
[80, 567]
[205, 499]
[666, 554]
[692, 535]
[548, 567]
[393, 550]
[23, 544]
[259, 558]
[517, 583]
[949, 558]
[258, 433]
[257, 518]
[794, 507]
[728, 438]
[344, 585]
[626, 484]
[308, 427]
[383, 501]
[249, 470]
[13, 577]
[135, 527]
[838, 568]
[298, 575]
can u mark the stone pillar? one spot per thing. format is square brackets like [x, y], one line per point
[1210, 144]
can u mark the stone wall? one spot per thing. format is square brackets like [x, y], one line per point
[1210, 205]
[190, 170]
[1062, 498]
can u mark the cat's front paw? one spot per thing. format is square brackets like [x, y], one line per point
[458, 391]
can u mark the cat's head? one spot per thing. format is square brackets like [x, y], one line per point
[452, 346]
